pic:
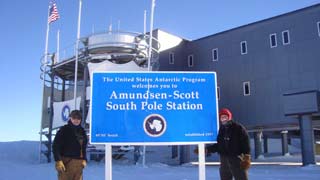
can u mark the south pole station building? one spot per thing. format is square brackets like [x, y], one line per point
[267, 73]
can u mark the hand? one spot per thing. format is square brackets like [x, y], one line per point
[245, 162]
[196, 151]
[84, 163]
[60, 166]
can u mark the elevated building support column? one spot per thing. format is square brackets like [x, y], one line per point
[258, 145]
[284, 142]
[184, 154]
[63, 94]
[174, 152]
[265, 144]
[84, 95]
[52, 75]
[307, 140]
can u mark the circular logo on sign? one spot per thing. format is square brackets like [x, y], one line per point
[65, 113]
[154, 125]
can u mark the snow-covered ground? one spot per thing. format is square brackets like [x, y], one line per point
[19, 160]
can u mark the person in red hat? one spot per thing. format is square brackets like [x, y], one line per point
[233, 146]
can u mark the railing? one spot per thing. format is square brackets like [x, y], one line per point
[45, 62]
[136, 42]
[105, 45]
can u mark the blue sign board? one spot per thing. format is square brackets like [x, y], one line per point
[153, 108]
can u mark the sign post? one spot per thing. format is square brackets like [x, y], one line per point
[108, 162]
[202, 161]
[154, 108]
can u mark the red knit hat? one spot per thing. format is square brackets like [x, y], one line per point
[225, 111]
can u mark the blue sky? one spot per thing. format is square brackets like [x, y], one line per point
[23, 28]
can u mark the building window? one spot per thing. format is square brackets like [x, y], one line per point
[243, 45]
[190, 60]
[215, 54]
[171, 58]
[273, 40]
[285, 37]
[246, 88]
[318, 25]
[218, 93]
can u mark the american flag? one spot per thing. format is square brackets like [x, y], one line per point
[53, 13]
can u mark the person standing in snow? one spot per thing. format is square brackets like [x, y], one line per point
[69, 148]
[233, 146]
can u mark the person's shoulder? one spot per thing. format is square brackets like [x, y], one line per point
[238, 125]
[64, 128]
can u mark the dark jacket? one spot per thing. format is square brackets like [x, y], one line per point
[232, 140]
[70, 141]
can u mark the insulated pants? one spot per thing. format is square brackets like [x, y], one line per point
[73, 169]
[230, 168]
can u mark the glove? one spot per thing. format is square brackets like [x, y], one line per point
[245, 162]
[84, 163]
[196, 151]
[60, 166]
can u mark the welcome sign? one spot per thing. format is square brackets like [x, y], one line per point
[148, 108]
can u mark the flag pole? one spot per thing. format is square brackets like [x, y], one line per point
[118, 25]
[44, 64]
[110, 25]
[47, 41]
[149, 57]
[77, 56]
[144, 22]
[150, 37]
[58, 47]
